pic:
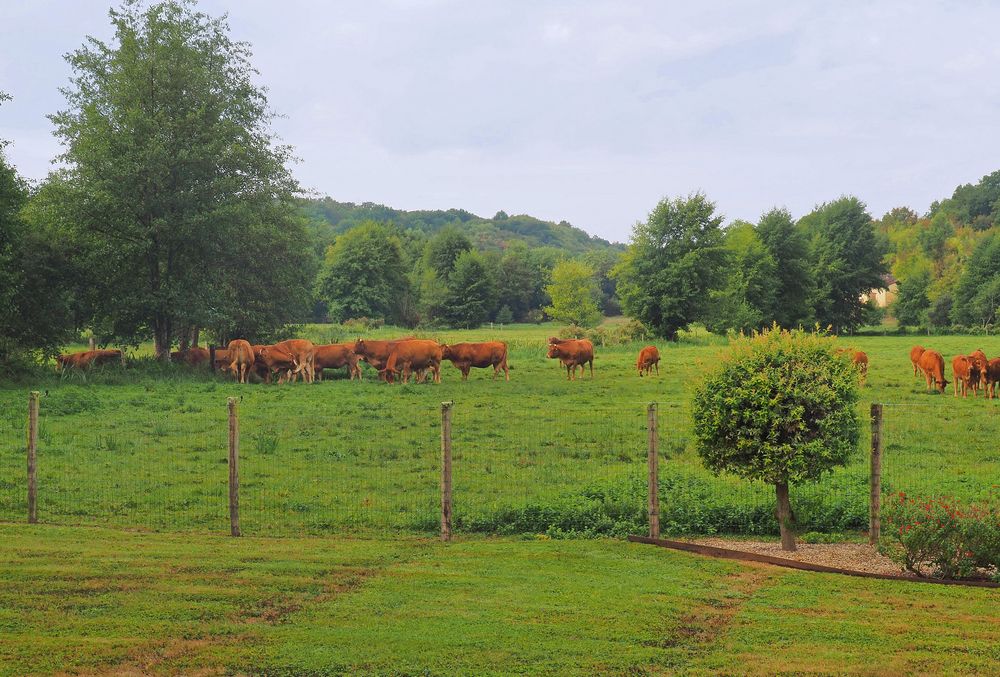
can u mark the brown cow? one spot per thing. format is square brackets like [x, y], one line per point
[649, 357]
[932, 365]
[303, 352]
[376, 353]
[193, 357]
[479, 355]
[415, 354]
[241, 359]
[860, 360]
[915, 353]
[335, 356]
[221, 359]
[992, 377]
[573, 353]
[963, 370]
[89, 358]
[981, 364]
[279, 360]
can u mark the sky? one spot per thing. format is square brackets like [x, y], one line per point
[586, 111]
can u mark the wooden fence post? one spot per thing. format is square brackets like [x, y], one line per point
[211, 357]
[875, 500]
[32, 453]
[92, 343]
[446, 470]
[234, 468]
[654, 475]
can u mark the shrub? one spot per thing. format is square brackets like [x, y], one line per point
[363, 323]
[941, 537]
[573, 331]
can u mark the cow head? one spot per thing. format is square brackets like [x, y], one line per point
[554, 350]
[446, 353]
[360, 348]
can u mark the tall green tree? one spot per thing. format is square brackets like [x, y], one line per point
[977, 294]
[911, 304]
[364, 275]
[789, 249]
[471, 292]
[675, 259]
[574, 294]
[749, 299]
[176, 190]
[443, 249]
[846, 260]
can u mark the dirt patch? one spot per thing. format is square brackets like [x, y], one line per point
[854, 556]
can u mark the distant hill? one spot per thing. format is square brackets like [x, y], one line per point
[330, 218]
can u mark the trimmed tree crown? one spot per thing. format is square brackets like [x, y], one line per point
[779, 407]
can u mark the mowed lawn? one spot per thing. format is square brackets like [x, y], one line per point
[147, 447]
[100, 601]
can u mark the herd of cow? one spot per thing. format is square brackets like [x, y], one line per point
[405, 357]
[969, 372]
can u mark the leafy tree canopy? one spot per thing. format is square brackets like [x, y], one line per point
[574, 294]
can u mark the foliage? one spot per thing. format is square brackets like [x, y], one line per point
[364, 275]
[443, 249]
[471, 293]
[941, 536]
[977, 294]
[778, 407]
[675, 259]
[793, 275]
[174, 186]
[574, 294]
[912, 304]
[846, 260]
[749, 297]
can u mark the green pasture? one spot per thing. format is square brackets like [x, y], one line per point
[146, 447]
[100, 601]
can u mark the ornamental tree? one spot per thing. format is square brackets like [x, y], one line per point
[779, 407]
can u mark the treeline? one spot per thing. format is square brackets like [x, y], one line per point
[947, 261]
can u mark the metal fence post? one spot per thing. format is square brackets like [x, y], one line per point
[654, 476]
[875, 499]
[234, 468]
[32, 453]
[446, 471]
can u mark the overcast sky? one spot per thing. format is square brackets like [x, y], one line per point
[588, 112]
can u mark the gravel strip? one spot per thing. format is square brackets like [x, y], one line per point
[854, 556]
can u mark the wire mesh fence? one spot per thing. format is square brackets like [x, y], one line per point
[343, 466]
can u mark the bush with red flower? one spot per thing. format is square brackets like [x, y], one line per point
[942, 537]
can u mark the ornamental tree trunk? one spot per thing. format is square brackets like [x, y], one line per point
[785, 518]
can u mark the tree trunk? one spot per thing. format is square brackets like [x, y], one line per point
[162, 338]
[785, 518]
[194, 337]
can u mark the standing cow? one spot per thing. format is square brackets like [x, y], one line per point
[964, 371]
[479, 355]
[981, 364]
[414, 355]
[860, 360]
[573, 353]
[336, 356]
[649, 357]
[241, 359]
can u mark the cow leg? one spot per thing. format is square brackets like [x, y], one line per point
[657, 365]
[465, 373]
[591, 369]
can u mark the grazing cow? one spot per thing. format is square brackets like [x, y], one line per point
[376, 353]
[915, 353]
[335, 356]
[193, 357]
[241, 359]
[860, 360]
[279, 360]
[573, 353]
[932, 365]
[415, 354]
[963, 370]
[89, 358]
[992, 377]
[303, 352]
[981, 364]
[649, 357]
[479, 355]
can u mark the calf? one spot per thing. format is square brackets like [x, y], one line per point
[335, 356]
[479, 355]
[963, 370]
[649, 357]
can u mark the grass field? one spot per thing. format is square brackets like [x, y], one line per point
[147, 447]
[100, 601]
